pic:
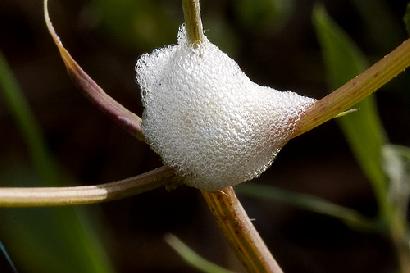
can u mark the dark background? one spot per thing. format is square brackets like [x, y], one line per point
[275, 47]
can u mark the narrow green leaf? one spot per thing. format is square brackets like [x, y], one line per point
[60, 240]
[192, 258]
[311, 203]
[363, 130]
[24, 118]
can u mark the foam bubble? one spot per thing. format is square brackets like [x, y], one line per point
[207, 119]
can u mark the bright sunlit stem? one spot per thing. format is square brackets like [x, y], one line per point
[356, 89]
[193, 23]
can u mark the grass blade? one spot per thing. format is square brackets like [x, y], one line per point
[311, 203]
[60, 240]
[192, 258]
[362, 129]
[24, 118]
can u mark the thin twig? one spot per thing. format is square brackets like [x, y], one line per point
[240, 232]
[62, 196]
[121, 115]
[356, 89]
[193, 22]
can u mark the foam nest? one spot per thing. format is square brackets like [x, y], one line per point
[207, 119]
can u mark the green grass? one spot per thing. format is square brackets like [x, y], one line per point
[47, 240]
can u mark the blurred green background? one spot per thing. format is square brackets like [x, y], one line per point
[67, 141]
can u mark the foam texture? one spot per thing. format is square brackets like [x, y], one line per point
[207, 119]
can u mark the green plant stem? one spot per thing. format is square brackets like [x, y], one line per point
[62, 196]
[193, 22]
[356, 89]
[240, 232]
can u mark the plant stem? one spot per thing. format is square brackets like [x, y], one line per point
[193, 22]
[62, 196]
[118, 113]
[240, 232]
[227, 209]
[224, 205]
[356, 89]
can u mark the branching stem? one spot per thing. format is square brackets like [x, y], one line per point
[61, 196]
[118, 113]
[226, 208]
[356, 89]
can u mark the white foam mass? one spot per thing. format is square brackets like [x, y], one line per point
[207, 119]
